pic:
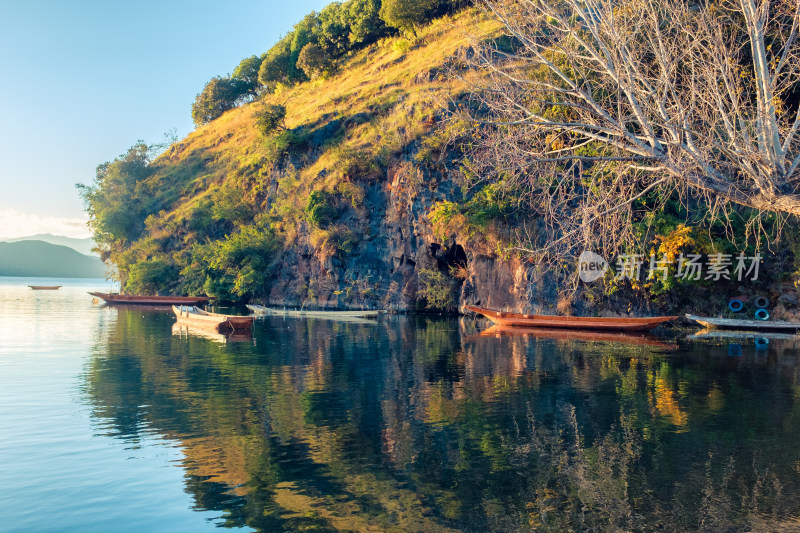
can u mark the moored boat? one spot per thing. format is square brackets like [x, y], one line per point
[132, 299]
[571, 322]
[198, 317]
[321, 313]
[746, 325]
[45, 287]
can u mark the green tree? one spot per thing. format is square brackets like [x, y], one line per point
[314, 60]
[362, 18]
[276, 67]
[238, 266]
[407, 15]
[115, 201]
[246, 73]
[332, 31]
[218, 95]
[270, 118]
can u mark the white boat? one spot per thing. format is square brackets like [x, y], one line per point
[746, 325]
[271, 311]
[198, 317]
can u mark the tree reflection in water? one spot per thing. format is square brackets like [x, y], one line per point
[424, 425]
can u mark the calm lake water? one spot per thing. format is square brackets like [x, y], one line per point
[112, 421]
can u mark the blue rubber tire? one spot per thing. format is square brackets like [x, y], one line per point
[762, 314]
[761, 302]
[735, 305]
[761, 343]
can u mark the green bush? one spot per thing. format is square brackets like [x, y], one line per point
[320, 210]
[150, 277]
[438, 290]
[237, 267]
[270, 118]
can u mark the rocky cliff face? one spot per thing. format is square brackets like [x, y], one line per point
[395, 241]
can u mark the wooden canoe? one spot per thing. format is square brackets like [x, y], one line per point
[197, 317]
[321, 313]
[746, 325]
[130, 299]
[571, 322]
[45, 287]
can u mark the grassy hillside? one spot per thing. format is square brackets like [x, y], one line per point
[42, 259]
[216, 211]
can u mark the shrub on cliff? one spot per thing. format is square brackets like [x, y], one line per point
[237, 267]
[320, 210]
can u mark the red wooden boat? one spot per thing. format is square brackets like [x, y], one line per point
[131, 299]
[571, 322]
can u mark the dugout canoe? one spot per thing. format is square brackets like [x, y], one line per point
[197, 317]
[746, 325]
[132, 299]
[571, 322]
[45, 287]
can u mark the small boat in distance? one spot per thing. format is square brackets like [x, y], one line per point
[622, 323]
[45, 287]
[131, 299]
[320, 313]
[197, 317]
[746, 325]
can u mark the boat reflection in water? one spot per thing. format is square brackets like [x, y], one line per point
[415, 424]
[183, 330]
[641, 339]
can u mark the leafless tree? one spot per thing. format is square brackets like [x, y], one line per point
[601, 109]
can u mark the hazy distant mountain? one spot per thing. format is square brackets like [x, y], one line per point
[83, 246]
[42, 259]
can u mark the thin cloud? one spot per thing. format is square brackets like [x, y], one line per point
[15, 224]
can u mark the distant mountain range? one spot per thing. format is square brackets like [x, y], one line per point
[83, 246]
[33, 258]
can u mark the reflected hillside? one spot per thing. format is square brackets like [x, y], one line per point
[425, 425]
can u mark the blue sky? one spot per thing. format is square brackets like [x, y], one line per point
[82, 81]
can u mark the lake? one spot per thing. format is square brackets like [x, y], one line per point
[113, 421]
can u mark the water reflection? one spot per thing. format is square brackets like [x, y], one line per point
[425, 425]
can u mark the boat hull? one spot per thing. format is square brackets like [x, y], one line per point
[571, 322]
[746, 325]
[45, 287]
[166, 301]
[261, 310]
